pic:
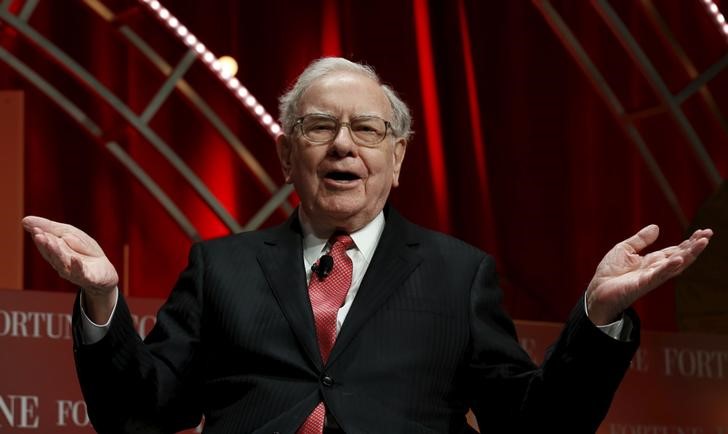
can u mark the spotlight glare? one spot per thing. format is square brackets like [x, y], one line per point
[163, 13]
[229, 65]
[208, 57]
[275, 128]
[250, 101]
[242, 92]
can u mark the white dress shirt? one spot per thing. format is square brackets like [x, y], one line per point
[365, 240]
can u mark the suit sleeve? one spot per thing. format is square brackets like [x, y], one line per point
[570, 392]
[150, 386]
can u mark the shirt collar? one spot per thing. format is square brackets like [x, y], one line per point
[365, 240]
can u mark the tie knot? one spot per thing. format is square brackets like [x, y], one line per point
[344, 240]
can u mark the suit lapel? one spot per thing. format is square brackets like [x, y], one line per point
[394, 260]
[281, 259]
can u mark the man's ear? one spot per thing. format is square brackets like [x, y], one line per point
[284, 148]
[400, 147]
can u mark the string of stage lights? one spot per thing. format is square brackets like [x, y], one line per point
[224, 67]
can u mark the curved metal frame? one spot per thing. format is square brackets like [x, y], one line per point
[95, 131]
[670, 102]
[193, 97]
[174, 80]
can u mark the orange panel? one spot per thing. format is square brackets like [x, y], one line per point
[11, 189]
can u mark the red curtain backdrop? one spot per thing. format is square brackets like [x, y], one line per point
[514, 150]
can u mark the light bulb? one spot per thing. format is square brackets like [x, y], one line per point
[229, 65]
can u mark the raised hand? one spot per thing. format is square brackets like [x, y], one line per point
[623, 276]
[79, 259]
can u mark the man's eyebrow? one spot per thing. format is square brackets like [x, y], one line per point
[318, 112]
[360, 115]
[353, 116]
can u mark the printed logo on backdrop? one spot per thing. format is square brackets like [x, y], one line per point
[677, 383]
[21, 411]
[39, 391]
[53, 325]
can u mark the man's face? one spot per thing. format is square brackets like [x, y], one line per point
[342, 185]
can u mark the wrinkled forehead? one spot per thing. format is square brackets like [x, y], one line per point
[345, 94]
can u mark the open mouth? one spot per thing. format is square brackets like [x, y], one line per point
[342, 176]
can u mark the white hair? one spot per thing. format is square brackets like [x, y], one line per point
[288, 102]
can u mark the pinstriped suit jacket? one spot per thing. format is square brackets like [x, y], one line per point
[424, 341]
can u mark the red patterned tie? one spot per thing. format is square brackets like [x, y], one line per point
[327, 295]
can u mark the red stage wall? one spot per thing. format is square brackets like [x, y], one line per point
[678, 383]
[513, 152]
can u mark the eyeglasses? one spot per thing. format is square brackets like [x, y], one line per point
[319, 128]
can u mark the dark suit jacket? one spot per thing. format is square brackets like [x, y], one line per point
[424, 341]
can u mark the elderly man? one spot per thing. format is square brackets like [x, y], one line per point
[347, 318]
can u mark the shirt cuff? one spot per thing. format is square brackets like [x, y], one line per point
[613, 330]
[93, 332]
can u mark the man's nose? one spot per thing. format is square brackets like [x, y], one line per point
[343, 144]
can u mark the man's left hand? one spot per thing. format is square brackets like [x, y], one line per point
[623, 276]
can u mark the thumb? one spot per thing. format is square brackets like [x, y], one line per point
[44, 224]
[643, 238]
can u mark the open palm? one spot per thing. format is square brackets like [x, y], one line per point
[623, 275]
[76, 256]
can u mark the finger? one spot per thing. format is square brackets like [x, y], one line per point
[44, 224]
[58, 256]
[59, 244]
[41, 243]
[83, 245]
[704, 232]
[642, 239]
[50, 248]
[77, 273]
[695, 249]
[656, 258]
[659, 273]
[668, 252]
[693, 245]
[678, 262]
[30, 223]
[75, 238]
[697, 241]
[699, 236]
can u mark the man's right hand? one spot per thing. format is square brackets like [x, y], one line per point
[79, 259]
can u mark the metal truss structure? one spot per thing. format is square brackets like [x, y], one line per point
[668, 101]
[174, 71]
